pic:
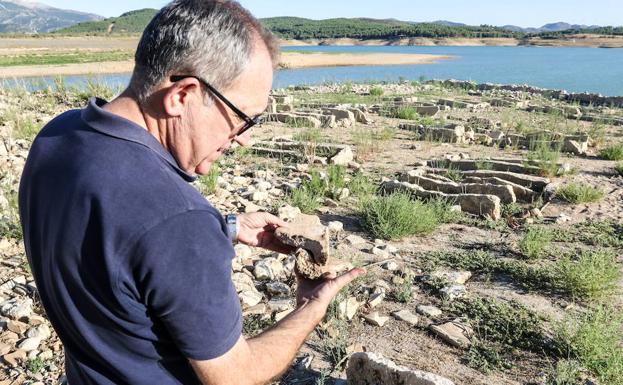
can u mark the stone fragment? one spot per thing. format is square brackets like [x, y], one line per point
[376, 299]
[336, 226]
[453, 292]
[453, 333]
[374, 369]
[288, 212]
[429, 311]
[278, 289]
[42, 332]
[348, 308]
[259, 309]
[279, 304]
[250, 298]
[457, 277]
[16, 308]
[376, 319]
[283, 314]
[17, 327]
[13, 359]
[5, 348]
[406, 316]
[242, 282]
[268, 269]
[355, 240]
[29, 344]
[306, 232]
[243, 251]
[343, 157]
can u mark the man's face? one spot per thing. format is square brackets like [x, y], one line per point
[208, 131]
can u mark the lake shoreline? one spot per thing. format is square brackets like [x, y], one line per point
[289, 60]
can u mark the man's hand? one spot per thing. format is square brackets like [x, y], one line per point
[258, 229]
[325, 289]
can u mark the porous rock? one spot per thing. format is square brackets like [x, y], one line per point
[374, 369]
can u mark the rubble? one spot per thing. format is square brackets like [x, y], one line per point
[374, 369]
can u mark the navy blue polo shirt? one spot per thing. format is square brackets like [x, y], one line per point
[132, 264]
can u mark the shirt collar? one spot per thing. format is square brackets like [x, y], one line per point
[114, 125]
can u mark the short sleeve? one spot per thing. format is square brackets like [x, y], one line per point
[183, 268]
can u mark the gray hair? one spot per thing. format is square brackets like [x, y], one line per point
[212, 39]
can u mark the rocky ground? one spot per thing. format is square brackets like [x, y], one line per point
[515, 286]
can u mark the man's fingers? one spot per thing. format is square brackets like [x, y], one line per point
[346, 278]
[274, 220]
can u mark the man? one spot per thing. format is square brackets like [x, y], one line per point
[132, 264]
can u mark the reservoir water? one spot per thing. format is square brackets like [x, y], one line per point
[596, 70]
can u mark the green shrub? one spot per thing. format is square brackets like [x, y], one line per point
[579, 193]
[443, 210]
[335, 180]
[594, 340]
[361, 186]
[619, 168]
[534, 243]
[544, 156]
[396, 216]
[377, 91]
[207, 183]
[592, 275]
[408, 113]
[614, 152]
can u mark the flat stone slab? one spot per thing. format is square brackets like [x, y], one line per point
[374, 369]
[453, 333]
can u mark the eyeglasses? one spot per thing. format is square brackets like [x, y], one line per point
[248, 121]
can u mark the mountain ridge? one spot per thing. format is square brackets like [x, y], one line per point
[18, 16]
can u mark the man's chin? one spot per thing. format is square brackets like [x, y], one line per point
[204, 167]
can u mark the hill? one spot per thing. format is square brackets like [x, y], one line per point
[129, 22]
[18, 16]
[300, 28]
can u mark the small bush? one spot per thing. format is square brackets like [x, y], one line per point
[614, 152]
[408, 113]
[376, 91]
[361, 186]
[594, 341]
[396, 216]
[443, 210]
[207, 183]
[619, 168]
[544, 156]
[594, 274]
[534, 243]
[255, 324]
[579, 193]
[335, 180]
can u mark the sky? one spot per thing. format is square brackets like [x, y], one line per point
[524, 13]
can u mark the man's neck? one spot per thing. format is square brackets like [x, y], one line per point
[127, 106]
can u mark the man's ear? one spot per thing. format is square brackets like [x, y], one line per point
[179, 95]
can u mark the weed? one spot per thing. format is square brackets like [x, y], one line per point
[512, 210]
[311, 137]
[305, 200]
[366, 142]
[508, 323]
[544, 155]
[376, 91]
[35, 365]
[483, 165]
[407, 113]
[335, 180]
[387, 133]
[485, 357]
[567, 372]
[403, 292]
[207, 183]
[361, 186]
[396, 216]
[614, 152]
[594, 340]
[594, 233]
[335, 348]
[534, 243]
[619, 168]
[592, 275]
[443, 210]
[255, 324]
[579, 193]
[22, 125]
